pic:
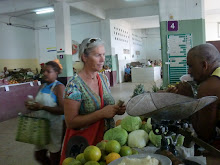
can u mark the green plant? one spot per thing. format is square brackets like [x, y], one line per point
[139, 89]
[155, 88]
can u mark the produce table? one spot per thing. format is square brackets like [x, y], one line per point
[143, 75]
[12, 101]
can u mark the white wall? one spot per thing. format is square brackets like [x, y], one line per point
[120, 40]
[152, 44]
[46, 43]
[122, 37]
[181, 9]
[106, 35]
[82, 26]
[137, 46]
[211, 27]
[16, 42]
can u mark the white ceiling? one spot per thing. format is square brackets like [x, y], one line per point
[18, 7]
[143, 22]
[115, 4]
[25, 9]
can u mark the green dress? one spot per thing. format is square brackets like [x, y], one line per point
[78, 90]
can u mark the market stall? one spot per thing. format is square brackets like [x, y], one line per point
[15, 86]
[12, 98]
[153, 134]
[147, 74]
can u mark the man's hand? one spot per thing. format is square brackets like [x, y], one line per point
[182, 88]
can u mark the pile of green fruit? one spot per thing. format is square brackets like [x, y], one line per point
[102, 154]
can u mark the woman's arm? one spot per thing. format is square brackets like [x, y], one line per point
[74, 120]
[58, 90]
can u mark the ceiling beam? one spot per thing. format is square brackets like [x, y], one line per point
[89, 8]
[133, 12]
[152, 22]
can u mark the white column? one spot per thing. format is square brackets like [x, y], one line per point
[63, 38]
[63, 27]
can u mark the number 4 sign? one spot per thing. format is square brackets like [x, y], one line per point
[172, 26]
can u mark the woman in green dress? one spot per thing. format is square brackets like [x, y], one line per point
[89, 107]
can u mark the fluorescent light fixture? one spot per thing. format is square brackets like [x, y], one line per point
[44, 10]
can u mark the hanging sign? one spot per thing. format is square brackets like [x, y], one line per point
[177, 47]
[172, 26]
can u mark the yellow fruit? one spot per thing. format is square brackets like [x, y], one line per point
[111, 157]
[91, 163]
[92, 153]
[81, 158]
[113, 146]
[171, 86]
[68, 161]
[125, 151]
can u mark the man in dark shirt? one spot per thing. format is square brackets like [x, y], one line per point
[204, 66]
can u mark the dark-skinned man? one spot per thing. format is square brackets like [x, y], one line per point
[204, 66]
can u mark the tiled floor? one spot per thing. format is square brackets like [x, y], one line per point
[17, 153]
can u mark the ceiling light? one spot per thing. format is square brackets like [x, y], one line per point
[44, 10]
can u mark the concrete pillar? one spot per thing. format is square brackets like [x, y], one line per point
[190, 17]
[111, 58]
[63, 39]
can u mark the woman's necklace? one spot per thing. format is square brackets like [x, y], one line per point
[89, 77]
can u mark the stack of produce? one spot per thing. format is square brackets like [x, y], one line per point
[129, 133]
[102, 154]
[21, 76]
[120, 141]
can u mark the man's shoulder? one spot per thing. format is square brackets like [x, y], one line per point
[213, 80]
[211, 86]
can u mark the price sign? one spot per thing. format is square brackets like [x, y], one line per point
[172, 26]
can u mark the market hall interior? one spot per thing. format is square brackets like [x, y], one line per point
[132, 31]
[11, 151]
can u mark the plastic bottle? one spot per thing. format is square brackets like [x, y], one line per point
[30, 99]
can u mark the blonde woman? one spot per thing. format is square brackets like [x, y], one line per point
[89, 107]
